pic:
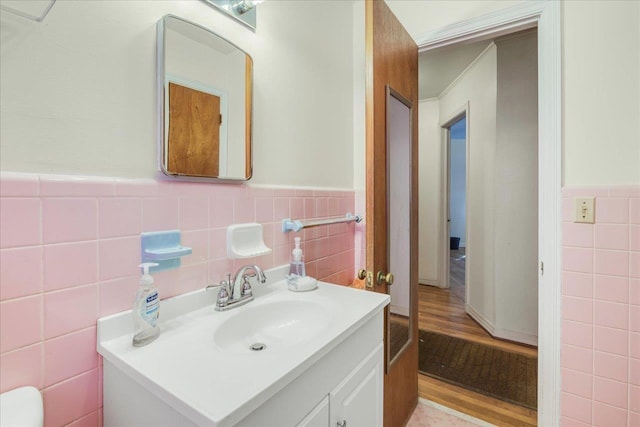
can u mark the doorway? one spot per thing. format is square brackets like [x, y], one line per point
[456, 140]
[480, 172]
[546, 17]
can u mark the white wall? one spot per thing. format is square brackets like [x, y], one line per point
[601, 80]
[304, 93]
[359, 142]
[477, 86]
[516, 189]
[78, 90]
[430, 157]
[419, 17]
[601, 60]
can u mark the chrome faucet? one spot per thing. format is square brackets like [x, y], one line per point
[228, 296]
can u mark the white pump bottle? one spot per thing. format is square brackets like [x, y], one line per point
[297, 280]
[297, 262]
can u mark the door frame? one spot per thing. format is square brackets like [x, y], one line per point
[546, 16]
[445, 228]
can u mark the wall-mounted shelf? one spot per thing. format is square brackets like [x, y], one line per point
[163, 248]
[297, 225]
[166, 254]
[246, 241]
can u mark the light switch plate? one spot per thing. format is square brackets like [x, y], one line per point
[584, 210]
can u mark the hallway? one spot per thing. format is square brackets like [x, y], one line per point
[442, 311]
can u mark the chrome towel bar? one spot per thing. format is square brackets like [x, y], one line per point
[297, 225]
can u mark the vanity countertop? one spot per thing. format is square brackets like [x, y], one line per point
[200, 368]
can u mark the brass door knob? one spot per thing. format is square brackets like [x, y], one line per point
[362, 273]
[382, 278]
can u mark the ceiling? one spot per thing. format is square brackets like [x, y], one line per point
[439, 67]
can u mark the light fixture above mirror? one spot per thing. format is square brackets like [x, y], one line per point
[244, 11]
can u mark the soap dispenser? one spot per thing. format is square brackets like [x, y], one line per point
[297, 280]
[297, 263]
[146, 309]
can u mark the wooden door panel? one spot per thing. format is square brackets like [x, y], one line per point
[391, 60]
[194, 132]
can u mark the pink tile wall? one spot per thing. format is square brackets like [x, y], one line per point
[69, 250]
[601, 310]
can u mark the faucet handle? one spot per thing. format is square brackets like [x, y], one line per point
[246, 286]
[224, 292]
[222, 284]
[223, 295]
[213, 286]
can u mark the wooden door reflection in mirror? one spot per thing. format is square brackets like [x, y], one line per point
[194, 132]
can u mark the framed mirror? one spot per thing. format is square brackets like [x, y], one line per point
[204, 104]
[399, 321]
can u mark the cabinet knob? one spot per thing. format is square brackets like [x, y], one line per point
[362, 273]
[342, 423]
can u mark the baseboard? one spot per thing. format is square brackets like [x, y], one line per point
[430, 282]
[482, 321]
[399, 310]
[519, 337]
[503, 334]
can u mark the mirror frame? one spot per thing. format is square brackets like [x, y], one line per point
[161, 83]
[389, 358]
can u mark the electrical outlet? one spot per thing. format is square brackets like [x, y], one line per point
[584, 210]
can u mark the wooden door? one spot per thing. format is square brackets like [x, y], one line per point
[392, 65]
[194, 132]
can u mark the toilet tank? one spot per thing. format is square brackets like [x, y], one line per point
[21, 407]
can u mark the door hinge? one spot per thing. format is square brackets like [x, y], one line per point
[542, 267]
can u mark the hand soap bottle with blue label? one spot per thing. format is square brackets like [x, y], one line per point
[146, 309]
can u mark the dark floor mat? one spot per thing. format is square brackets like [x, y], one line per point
[507, 376]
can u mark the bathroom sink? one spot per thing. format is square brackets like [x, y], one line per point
[202, 364]
[272, 326]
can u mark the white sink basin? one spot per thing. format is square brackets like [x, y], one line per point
[201, 364]
[277, 325]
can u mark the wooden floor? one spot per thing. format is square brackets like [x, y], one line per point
[442, 310]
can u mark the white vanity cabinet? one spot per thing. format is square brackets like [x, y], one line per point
[356, 401]
[321, 374]
[318, 417]
[346, 385]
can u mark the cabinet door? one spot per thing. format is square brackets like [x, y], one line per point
[357, 401]
[318, 417]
